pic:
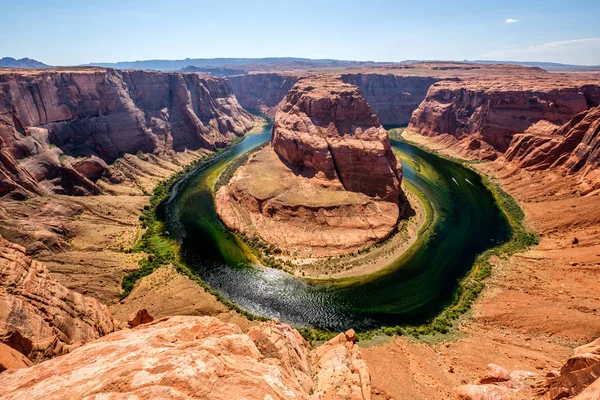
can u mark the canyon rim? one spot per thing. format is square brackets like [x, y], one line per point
[300, 228]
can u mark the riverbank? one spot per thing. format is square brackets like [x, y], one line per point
[536, 306]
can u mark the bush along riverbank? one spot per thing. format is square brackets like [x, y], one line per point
[474, 282]
[162, 250]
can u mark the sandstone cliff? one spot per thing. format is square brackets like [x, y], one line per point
[262, 91]
[197, 358]
[39, 317]
[574, 148]
[328, 184]
[487, 113]
[393, 97]
[58, 128]
[326, 129]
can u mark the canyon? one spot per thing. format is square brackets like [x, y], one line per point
[60, 128]
[110, 136]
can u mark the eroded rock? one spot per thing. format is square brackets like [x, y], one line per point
[328, 184]
[195, 357]
[139, 317]
[39, 317]
[59, 127]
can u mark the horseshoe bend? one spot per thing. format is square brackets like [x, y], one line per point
[308, 192]
[300, 228]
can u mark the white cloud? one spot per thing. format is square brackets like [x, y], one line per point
[511, 21]
[578, 51]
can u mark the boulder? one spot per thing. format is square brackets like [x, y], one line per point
[12, 359]
[578, 372]
[139, 317]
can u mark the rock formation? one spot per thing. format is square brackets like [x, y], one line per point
[262, 91]
[393, 97]
[195, 358]
[487, 113]
[327, 130]
[12, 359]
[328, 184]
[59, 126]
[39, 317]
[139, 317]
[575, 147]
[497, 384]
[579, 374]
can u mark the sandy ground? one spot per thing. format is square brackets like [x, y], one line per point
[536, 307]
[378, 258]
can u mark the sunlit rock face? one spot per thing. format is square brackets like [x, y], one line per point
[326, 129]
[59, 127]
[187, 357]
[488, 112]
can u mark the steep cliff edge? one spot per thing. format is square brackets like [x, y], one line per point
[262, 91]
[484, 114]
[39, 317]
[328, 184]
[198, 358]
[59, 127]
[574, 148]
[393, 97]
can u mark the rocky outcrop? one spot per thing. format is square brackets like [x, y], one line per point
[490, 112]
[57, 126]
[579, 373]
[497, 384]
[139, 317]
[575, 147]
[328, 184]
[39, 317]
[326, 129]
[392, 97]
[12, 359]
[262, 91]
[195, 357]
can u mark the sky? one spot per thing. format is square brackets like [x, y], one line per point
[62, 32]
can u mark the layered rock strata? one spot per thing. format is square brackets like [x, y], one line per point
[196, 358]
[574, 148]
[328, 184]
[262, 91]
[579, 376]
[393, 97]
[59, 128]
[39, 317]
[486, 113]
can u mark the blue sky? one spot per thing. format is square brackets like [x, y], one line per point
[75, 32]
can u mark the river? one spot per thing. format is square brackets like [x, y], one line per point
[413, 289]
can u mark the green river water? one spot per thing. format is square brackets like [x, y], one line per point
[413, 289]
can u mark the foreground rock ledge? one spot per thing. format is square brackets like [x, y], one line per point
[328, 184]
[39, 317]
[197, 358]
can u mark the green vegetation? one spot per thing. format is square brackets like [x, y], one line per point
[162, 250]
